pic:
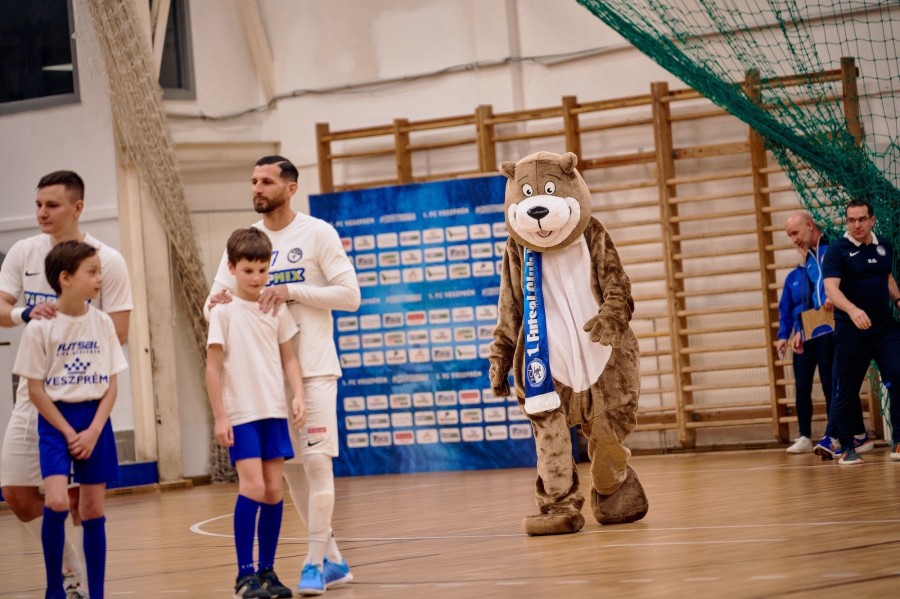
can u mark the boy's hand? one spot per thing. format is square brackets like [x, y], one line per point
[82, 444]
[223, 297]
[298, 409]
[224, 432]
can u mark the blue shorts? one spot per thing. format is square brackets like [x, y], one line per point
[101, 467]
[267, 439]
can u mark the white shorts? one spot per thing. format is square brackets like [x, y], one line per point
[319, 434]
[20, 464]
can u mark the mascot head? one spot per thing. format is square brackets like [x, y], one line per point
[548, 204]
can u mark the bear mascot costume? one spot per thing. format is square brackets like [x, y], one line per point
[563, 313]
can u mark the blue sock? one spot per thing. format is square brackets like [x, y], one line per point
[244, 527]
[95, 554]
[268, 531]
[53, 538]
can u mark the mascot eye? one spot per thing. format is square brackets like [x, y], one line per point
[528, 190]
[549, 187]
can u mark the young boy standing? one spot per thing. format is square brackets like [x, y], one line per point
[70, 364]
[246, 353]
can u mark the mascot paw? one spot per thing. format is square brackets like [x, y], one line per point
[627, 504]
[604, 331]
[499, 377]
[553, 524]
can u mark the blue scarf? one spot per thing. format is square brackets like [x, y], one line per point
[540, 394]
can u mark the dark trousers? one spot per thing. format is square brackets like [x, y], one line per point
[817, 352]
[853, 350]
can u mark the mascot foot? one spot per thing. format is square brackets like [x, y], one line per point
[553, 524]
[627, 504]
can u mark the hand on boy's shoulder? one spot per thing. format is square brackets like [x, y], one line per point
[272, 297]
[222, 297]
[44, 310]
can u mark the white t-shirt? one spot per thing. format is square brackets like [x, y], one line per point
[22, 276]
[74, 355]
[253, 378]
[306, 253]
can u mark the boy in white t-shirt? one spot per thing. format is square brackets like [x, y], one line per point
[70, 363]
[247, 351]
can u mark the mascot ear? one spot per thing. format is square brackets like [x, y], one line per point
[567, 162]
[509, 169]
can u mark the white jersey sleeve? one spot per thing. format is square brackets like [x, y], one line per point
[11, 271]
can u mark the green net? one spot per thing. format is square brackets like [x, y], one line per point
[717, 46]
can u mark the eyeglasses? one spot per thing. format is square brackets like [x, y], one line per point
[860, 220]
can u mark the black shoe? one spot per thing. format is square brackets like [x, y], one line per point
[269, 581]
[248, 587]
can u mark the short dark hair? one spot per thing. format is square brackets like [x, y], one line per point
[856, 203]
[249, 244]
[66, 256]
[68, 179]
[288, 170]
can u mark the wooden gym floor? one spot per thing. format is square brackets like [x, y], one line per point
[739, 524]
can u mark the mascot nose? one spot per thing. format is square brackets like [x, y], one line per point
[538, 212]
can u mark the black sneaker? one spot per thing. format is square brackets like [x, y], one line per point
[248, 587]
[269, 581]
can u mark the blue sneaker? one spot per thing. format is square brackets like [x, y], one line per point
[863, 445]
[336, 573]
[312, 581]
[826, 448]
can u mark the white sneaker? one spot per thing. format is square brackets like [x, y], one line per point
[801, 445]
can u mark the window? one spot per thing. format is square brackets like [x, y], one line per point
[176, 72]
[37, 54]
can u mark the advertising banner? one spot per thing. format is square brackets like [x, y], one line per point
[415, 394]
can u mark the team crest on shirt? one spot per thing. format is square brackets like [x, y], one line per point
[881, 251]
[295, 255]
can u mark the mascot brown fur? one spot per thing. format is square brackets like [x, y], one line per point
[588, 305]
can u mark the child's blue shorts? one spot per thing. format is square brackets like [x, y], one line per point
[268, 439]
[101, 467]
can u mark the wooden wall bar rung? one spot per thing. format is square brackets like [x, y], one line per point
[708, 151]
[722, 348]
[616, 125]
[711, 197]
[626, 206]
[711, 215]
[696, 116]
[718, 367]
[709, 178]
[713, 272]
[717, 291]
[714, 254]
[624, 186]
[725, 422]
[721, 329]
[716, 234]
[529, 135]
[730, 385]
[720, 310]
[439, 145]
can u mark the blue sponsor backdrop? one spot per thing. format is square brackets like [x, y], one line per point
[415, 394]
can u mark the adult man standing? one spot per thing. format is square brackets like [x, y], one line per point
[859, 281]
[807, 236]
[310, 271]
[59, 204]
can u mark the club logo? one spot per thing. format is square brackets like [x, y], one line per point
[881, 251]
[295, 255]
[536, 372]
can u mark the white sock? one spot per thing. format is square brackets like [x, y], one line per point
[331, 551]
[298, 487]
[34, 527]
[320, 476]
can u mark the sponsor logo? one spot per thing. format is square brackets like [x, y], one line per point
[390, 277]
[426, 419]
[436, 273]
[442, 335]
[466, 352]
[433, 235]
[351, 360]
[395, 338]
[469, 396]
[355, 423]
[295, 255]
[380, 439]
[447, 417]
[499, 248]
[357, 440]
[348, 342]
[354, 404]
[520, 431]
[415, 318]
[873, 260]
[499, 268]
[458, 233]
[460, 271]
[515, 414]
[370, 321]
[387, 240]
[438, 254]
[365, 261]
[494, 415]
[392, 320]
[364, 242]
[404, 438]
[854, 253]
[423, 399]
[367, 279]
[439, 316]
[347, 243]
[413, 275]
[417, 337]
[499, 229]
[418, 356]
[33, 299]
[389, 259]
[396, 356]
[441, 354]
[486, 312]
[480, 231]
[373, 358]
[473, 434]
[484, 350]
[31, 274]
[379, 421]
[482, 251]
[410, 238]
[445, 398]
[464, 314]
[401, 419]
[314, 443]
[426, 436]
[400, 401]
[377, 402]
[471, 416]
[496, 433]
[408, 257]
[370, 340]
[458, 252]
[485, 331]
[450, 435]
[483, 269]
[283, 277]
[464, 334]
